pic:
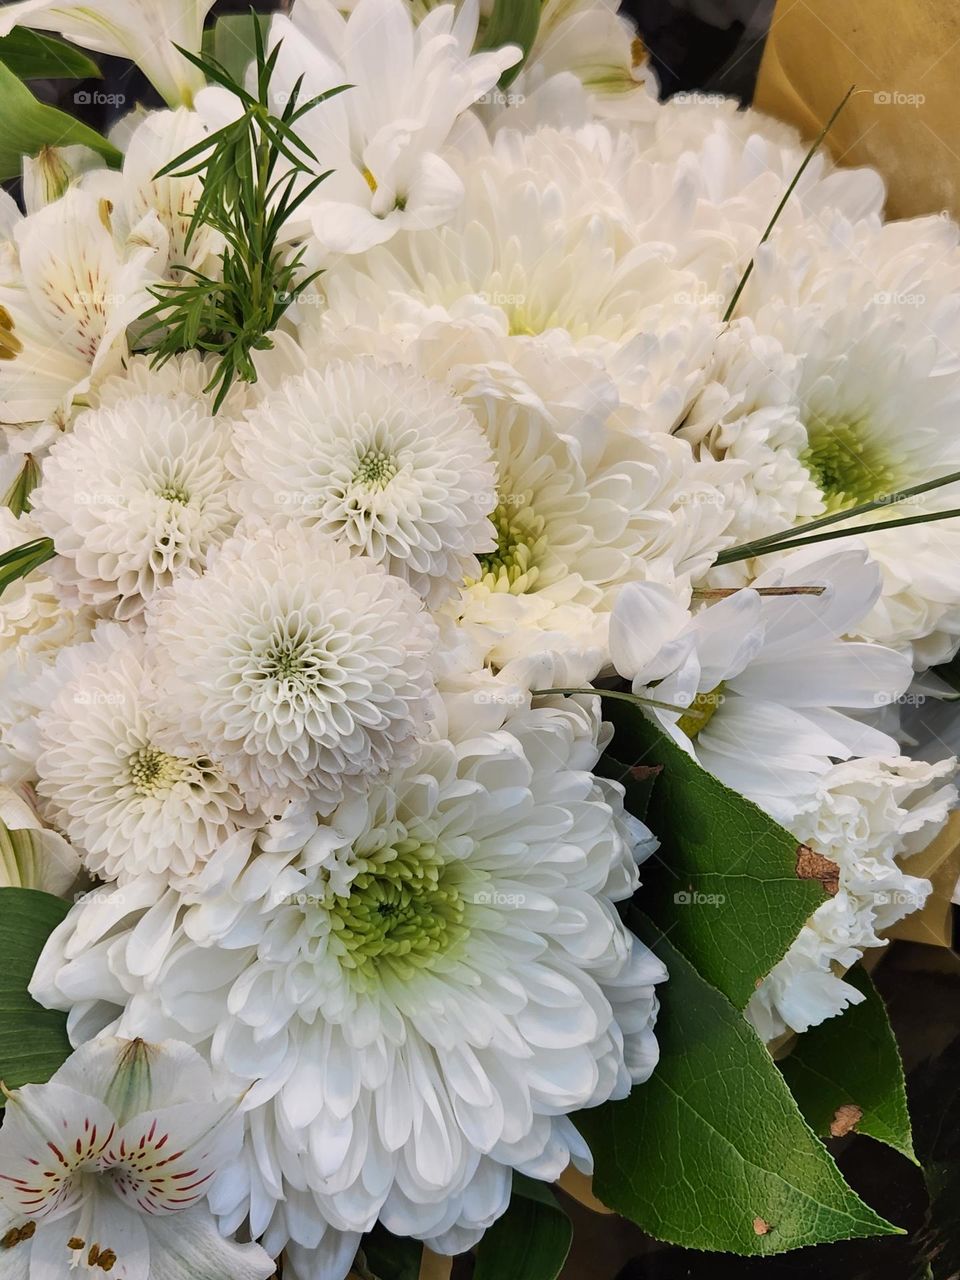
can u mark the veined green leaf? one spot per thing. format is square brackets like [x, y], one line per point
[712, 1151]
[727, 881]
[846, 1074]
[512, 22]
[27, 125]
[532, 1239]
[33, 1040]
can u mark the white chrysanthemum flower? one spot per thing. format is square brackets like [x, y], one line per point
[129, 806]
[422, 985]
[186, 374]
[767, 681]
[37, 618]
[106, 1169]
[575, 519]
[865, 815]
[389, 464]
[748, 413]
[66, 304]
[295, 665]
[136, 495]
[872, 329]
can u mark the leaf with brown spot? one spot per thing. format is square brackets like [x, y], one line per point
[814, 866]
[852, 1056]
[761, 1227]
[845, 1119]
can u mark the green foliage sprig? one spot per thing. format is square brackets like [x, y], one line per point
[256, 175]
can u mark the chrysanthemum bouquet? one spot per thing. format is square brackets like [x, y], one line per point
[439, 479]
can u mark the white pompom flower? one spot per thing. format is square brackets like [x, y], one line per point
[134, 496]
[295, 665]
[866, 816]
[383, 460]
[419, 988]
[129, 806]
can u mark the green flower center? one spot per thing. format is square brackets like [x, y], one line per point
[172, 491]
[150, 770]
[514, 565]
[402, 913]
[847, 465]
[375, 470]
[701, 711]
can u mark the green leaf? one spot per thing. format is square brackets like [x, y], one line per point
[724, 882]
[637, 781]
[234, 43]
[26, 126]
[853, 1062]
[33, 56]
[33, 1040]
[532, 1239]
[512, 22]
[19, 561]
[17, 497]
[390, 1257]
[712, 1151]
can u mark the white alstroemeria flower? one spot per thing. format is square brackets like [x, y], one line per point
[766, 681]
[145, 31]
[31, 855]
[48, 175]
[65, 308]
[384, 137]
[104, 1170]
[601, 48]
[136, 191]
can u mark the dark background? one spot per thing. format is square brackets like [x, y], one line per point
[716, 46]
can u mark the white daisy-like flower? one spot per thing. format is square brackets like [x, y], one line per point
[865, 815]
[128, 805]
[295, 665]
[424, 984]
[66, 302]
[575, 519]
[767, 682]
[871, 330]
[381, 459]
[105, 1169]
[134, 496]
[384, 139]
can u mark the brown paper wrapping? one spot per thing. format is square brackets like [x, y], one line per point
[940, 864]
[904, 58]
[434, 1266]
